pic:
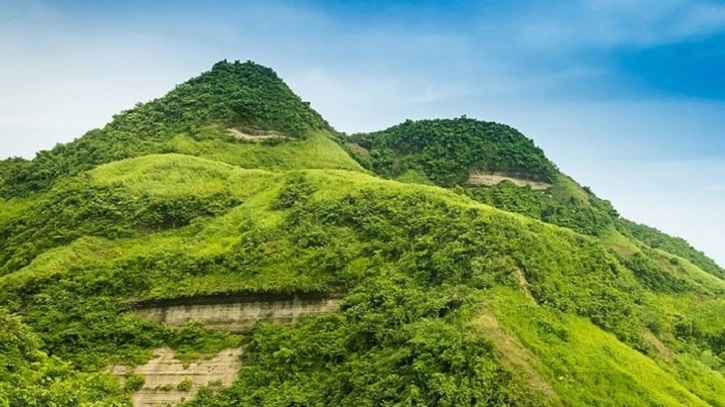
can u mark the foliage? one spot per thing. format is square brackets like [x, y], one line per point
[589, 367]
[134, 382]
[411, 255]
[673, 245]
[85, 320]
[652, 275]
[28, 377]
[78, 208]
[564, 204]
[447, 151]
[185, 385]
[388, 346]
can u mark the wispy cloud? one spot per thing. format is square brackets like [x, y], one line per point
[618, 23]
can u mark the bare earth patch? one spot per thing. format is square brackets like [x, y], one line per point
[489, 179]
[357, 148]
[255, 135]
[241, 313]
[524, 284]
[165, 373]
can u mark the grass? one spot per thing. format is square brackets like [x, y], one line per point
[317, 151]
[171, 175]
[583, 363]
[12, 208]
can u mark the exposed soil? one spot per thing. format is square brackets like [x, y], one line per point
[357, 148]
[239, 313]
[660, 348]
[255, 135]
[524, 284]
[489, 179]
[165, 373]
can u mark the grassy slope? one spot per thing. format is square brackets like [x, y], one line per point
[350, 228]
[314, 152]
[128, 213]
[672, 245]
[587, 366]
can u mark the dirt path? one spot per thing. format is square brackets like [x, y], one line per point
[165, 374]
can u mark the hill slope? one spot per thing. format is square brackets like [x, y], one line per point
[229, 96]
[472, 295]
[448, 152]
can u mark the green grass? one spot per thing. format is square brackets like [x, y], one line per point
[180, 175]
[452, 297]
[316, 151]
[585, 365]
[12, 208]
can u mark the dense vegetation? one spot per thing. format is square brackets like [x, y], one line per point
[28, 377]
[76, 209]
[672, 245]
[499, 295]
[447, 151]
[563, 204]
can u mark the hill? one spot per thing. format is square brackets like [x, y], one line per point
[235, 95]
[418, 289]
[451, 152]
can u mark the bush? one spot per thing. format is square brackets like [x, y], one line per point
[185, 385]
[134, 382]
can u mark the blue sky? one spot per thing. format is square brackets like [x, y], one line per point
[626, 97]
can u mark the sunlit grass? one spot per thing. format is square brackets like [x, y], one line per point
[585, 365]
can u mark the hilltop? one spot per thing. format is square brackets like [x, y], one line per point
[439, 262]
[190, 119]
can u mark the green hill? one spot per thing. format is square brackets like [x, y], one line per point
[447, 152]
[453, 293]
[231, 95]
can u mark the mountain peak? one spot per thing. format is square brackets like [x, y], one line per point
[234, 94]
[229, 96]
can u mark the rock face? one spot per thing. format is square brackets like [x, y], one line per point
[493, 178]
[239, 313]
[168, 382]
[250, 134]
